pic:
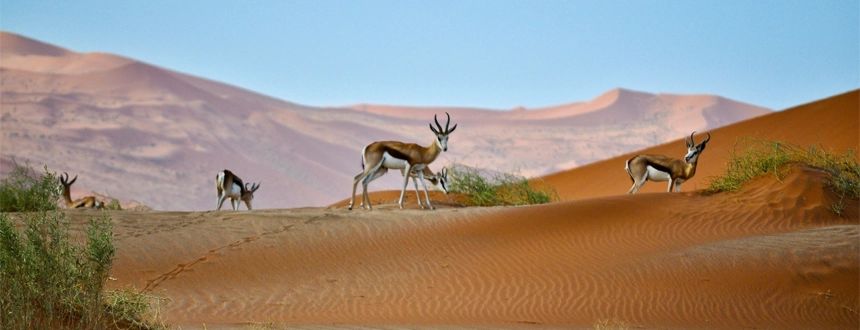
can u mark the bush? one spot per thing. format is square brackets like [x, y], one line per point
[754, 157]
[48, 282]
[483, 188]
[24, 191]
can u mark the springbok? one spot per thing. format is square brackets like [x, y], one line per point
[439, 181]
[407, 157]
[230, 186]
[642, 168]
[88, 201]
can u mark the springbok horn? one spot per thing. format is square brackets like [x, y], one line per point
[437, 123]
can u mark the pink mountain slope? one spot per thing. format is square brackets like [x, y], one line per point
[140, 132]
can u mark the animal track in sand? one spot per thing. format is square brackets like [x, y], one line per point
[173, 273]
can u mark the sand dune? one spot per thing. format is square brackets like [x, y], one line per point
[137, 130]
[832, 123]
[771, 256]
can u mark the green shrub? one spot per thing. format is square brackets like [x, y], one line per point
[24, 191]
[113, 204]
[483, 188]
[754, 157]
[49, 279]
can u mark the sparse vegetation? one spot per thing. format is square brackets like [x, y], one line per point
[754, 157]
[47, 281]
[485, 188]
[613, 324]
[50, 279]
[24, 191]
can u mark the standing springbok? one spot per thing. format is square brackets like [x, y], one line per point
[661, 168]
[230, 186]
[407, 157]
[88, 201]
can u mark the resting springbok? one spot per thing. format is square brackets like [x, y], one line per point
[230, 186]
[439, 181]
[407, 157]
[88, 201]
[661, 168]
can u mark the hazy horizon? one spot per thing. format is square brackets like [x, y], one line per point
[496, 55]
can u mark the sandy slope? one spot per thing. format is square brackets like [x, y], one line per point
[137, 131]
[832, 123]
[771, 256]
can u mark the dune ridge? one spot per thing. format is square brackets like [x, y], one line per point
[779, 259]
[124, 124]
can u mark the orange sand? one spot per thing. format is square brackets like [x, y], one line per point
[770, 256]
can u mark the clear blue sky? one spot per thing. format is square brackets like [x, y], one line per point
[489, 54]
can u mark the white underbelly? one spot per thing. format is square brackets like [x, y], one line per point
[236, 192]
[657, 175]
[391, 162]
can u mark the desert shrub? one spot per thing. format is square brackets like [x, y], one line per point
[485, 188]
[112, 205]
[49, 279]
[25, 191]
[752, 157]
[611, 324]
[131, 309]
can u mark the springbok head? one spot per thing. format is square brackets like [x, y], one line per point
[693, 149]
[443, 180]
[248, 195]
[65, 183]
[442, 134]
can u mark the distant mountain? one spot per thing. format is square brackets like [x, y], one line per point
[140, 132]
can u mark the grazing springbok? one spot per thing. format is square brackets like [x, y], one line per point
[230, 186]
[407, 157]
[439, 181]
[661, 168]
[88, 201]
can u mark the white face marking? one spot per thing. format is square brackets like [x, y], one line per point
[442, 141]
[442, 185]
[692, 154]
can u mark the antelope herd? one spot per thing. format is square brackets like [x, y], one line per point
[413, 161]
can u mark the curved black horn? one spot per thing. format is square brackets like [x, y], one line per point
[448, 123]
[67, 182]
[708, 139]
[437, 124]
